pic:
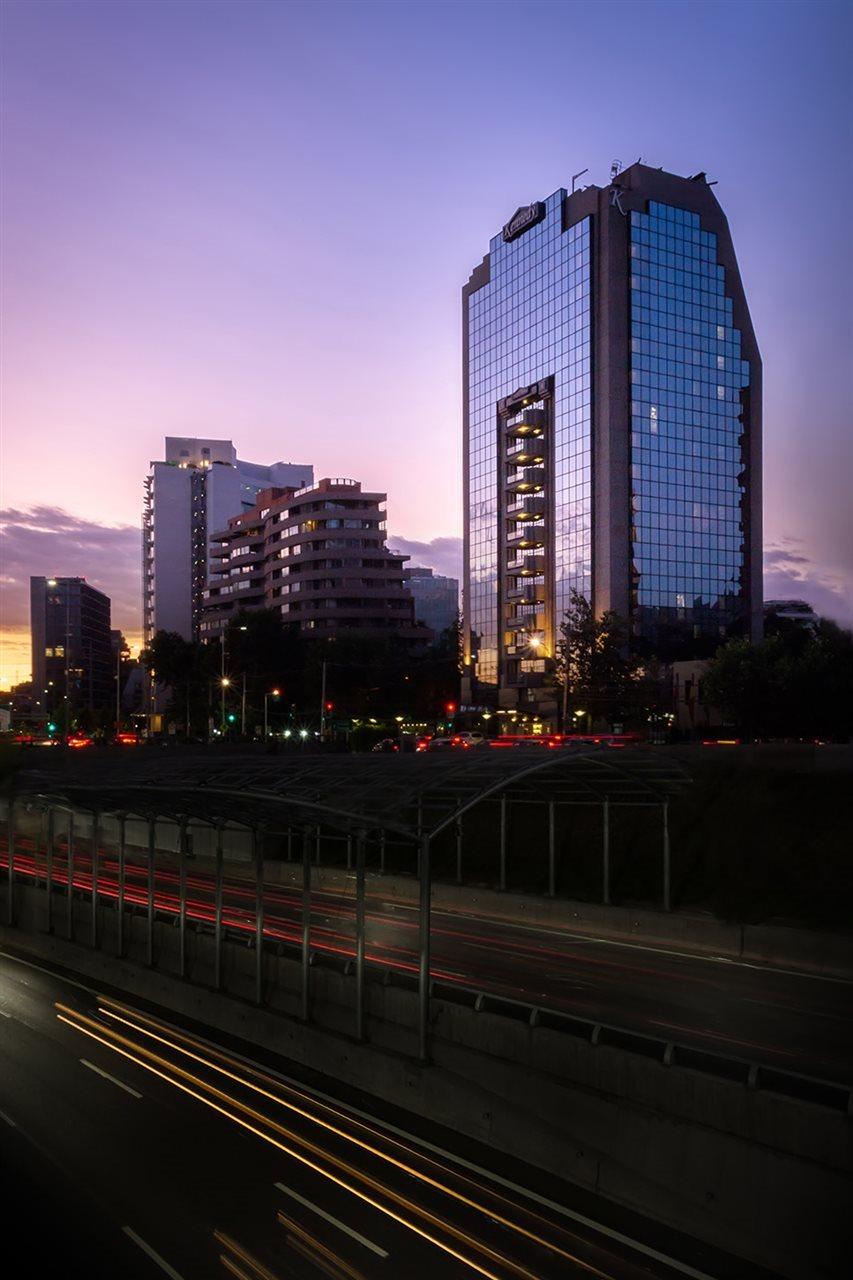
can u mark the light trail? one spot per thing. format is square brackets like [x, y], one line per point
[107, 1007]
[83, 1024]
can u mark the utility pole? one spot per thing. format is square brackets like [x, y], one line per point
[118, 688]
[323, 704]
[67, 667]
[222, 680]
[243, 709]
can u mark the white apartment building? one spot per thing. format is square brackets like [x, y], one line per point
[193, 492]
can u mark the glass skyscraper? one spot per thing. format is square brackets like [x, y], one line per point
[612, 421]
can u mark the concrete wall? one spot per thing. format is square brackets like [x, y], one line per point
[766, 1177]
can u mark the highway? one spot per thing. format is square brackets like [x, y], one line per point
[140, 1148]
[777, 1018]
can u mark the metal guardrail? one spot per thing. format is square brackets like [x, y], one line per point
[754, 1076]
[833, 1095]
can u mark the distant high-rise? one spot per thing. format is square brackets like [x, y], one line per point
[436, 597]
[70, 630]
[192, 493]
[612, 431]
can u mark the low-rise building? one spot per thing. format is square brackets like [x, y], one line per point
[318, 555]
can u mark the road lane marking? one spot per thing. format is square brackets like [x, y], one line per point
[336, 1222]
[8, 1119]
[528, 1193]
[152, 1254]
[112, 1079]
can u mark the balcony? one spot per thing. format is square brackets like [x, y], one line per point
[526, 566]
[527, 594]
[526, 508]
[529, 449]
[529, 423]
[531, 621]
[531, 536]
[530, 479]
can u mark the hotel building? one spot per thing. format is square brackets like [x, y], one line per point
[612, 431]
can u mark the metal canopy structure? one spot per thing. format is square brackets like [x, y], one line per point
[414, 797]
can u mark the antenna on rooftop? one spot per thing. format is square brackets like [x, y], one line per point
[615, 170]
[575, 177]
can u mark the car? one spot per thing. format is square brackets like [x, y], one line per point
[468, 739]
[79, 740]
[127, 738]
[439, 744]
[386, 744]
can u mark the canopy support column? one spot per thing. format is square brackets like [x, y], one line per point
[667, 896]
[423, 946]
[258, 858]
[152, 842]
[359, 934]
[605, 852]
[306, 921]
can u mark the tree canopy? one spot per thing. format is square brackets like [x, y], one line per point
[798, 682]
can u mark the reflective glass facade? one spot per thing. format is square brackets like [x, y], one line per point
[687, 464]
[531, 321]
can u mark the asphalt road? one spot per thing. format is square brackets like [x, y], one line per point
[138, 1149]
[774, 1017]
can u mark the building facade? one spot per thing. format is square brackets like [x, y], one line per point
[193, 492]
[436, 597]
[612, 431]
[318, 555]
[71, 649]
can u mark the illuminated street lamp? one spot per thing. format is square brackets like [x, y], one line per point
[224, 682]
[274, 693]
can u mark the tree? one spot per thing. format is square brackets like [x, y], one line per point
[594, 668]
[184, 669]
[798, 682]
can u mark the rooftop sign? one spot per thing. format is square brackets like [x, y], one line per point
[524, 218]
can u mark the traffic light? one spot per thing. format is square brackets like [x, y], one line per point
[330, 706]
[51, 727]
[450, 708]
[231, 717]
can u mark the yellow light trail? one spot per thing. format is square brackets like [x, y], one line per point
[509, 1223]
[75, 1021]
[260, 1271]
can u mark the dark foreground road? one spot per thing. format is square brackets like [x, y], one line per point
[131, 1147]
[777, 1018]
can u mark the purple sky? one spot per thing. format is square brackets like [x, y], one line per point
[254, 220]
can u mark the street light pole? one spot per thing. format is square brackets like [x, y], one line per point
[323, 704]
[274, 693]
[118, 687]
[222, 682]
[243, 709]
